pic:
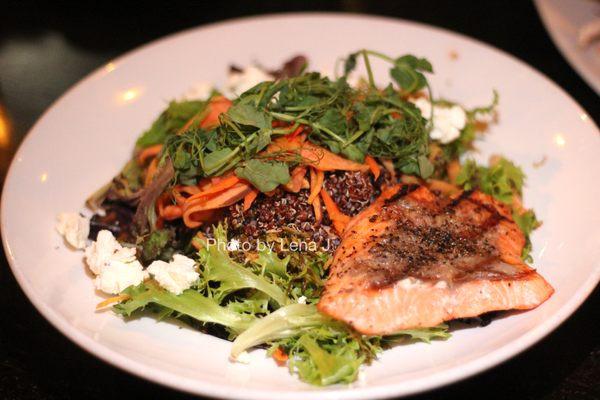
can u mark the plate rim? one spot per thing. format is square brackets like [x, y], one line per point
[190, 385]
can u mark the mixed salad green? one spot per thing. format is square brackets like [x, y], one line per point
[267, 297]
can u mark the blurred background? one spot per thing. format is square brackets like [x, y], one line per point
[45, 48]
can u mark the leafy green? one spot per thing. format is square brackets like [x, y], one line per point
[154, 244]
[245, 114]
[347, 120]
[285, 322]
[423, 334]
[264, 175]
[190, 303]
[323, 367]
[271, 263]
[322, 351]
[528, 222]
[502, 180]
[170, 121]
[230, 275]
[408, 73]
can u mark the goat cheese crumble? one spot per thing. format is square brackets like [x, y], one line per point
[447, 121]
[115, 266]
[74, 228]
[176, 275]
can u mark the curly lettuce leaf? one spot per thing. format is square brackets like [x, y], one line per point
[190, 303]
[502, 180]
[285, 322]
[232, 276]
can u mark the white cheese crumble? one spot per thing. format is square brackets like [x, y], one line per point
[176, 275]
[302, 300]
[115, 266]
[239, 82]
[74, 228]
[118, 276]
[447, 121]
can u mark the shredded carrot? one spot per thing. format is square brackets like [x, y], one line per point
[295, 183]
[178, 191]
[112, 300]
[249, 199]
[199, 210]
[217, 106]
[338, 218]
[219, 186]
[197, 241]
[328, 263]
[280, 356]
[373, 166]
[151, 171]
[316, 182]
[149, 152]
[318, 157]
[172, 212]
[317, 207]
[296, 132]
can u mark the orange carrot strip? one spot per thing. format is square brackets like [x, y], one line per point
[316, 182]
[151, 171]
[217, 106]
[317, 207]
[172, 212]
[318, 157]
[249, 199]
[373, 166]
[280, 356]
[338, 218]
[112, 300]
[148, 152]
[328, 161]
[195, 211]
[221, 185]
[296, 132]
[295, 183]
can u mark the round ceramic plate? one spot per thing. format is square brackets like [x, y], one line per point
[563, 20]
[87, 135]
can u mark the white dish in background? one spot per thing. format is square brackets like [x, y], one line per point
[563, 20]
[86, 136]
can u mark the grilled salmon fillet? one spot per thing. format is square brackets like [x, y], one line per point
[414, 259]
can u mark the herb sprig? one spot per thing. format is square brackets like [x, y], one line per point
[353, 122]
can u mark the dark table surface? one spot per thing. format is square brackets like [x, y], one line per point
[44, 49]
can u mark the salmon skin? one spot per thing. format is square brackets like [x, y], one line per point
[414, 259]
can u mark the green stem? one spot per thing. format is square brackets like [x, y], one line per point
[369, 71]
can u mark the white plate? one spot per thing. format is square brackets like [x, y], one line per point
[85, 137]
[563, 20]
